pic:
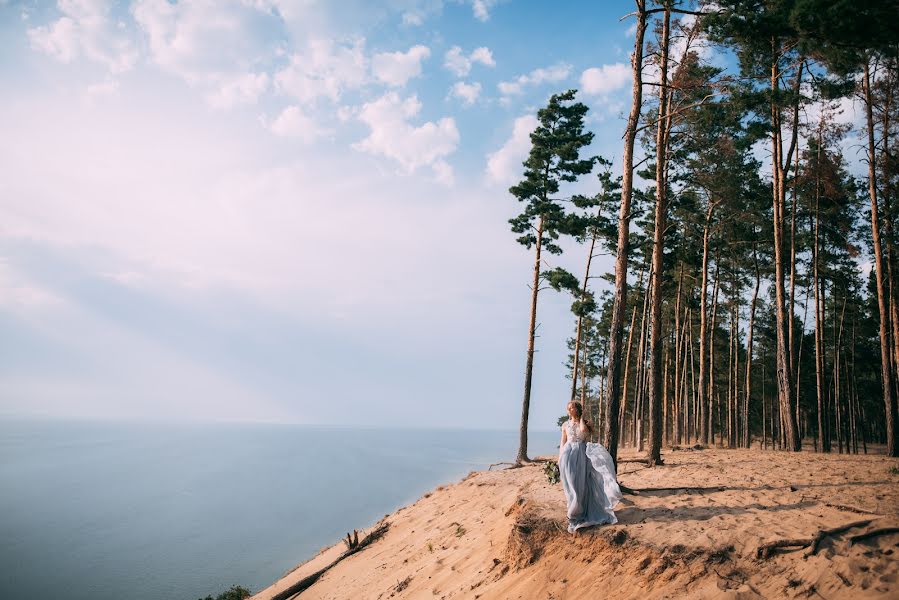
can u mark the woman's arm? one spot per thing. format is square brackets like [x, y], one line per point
[564, 439]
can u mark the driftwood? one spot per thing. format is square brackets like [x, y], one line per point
[873, 533]
[306, 582]
[812, 543]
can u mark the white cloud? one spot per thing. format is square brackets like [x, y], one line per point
[217, 46]
[555, 73]
[504, 165]
[324, 70]
[483, 55]
[456, 61]
[631, 31]
[412, 19]
[481, 9]
[396, 68]
[392, 135]
[292, 122]
[468, 93]
[599, 81]
[243, 89]
[87, 30]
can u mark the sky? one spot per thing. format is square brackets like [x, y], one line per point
[286, 210]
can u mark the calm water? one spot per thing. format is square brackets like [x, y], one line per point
[159, 511]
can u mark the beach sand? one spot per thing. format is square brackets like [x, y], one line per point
[501, 534]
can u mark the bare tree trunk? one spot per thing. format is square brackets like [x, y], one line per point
[748, 393]
[624, 216]
[529, 367]
[654, 456]
[823, 429]
[641, 365]
[712, 353]
[580, 318]
[627, 363]
[704, 403]
[784, 370]
[889, 399]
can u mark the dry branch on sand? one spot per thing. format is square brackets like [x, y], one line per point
[303, 584]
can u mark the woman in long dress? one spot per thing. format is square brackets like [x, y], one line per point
[587, 473]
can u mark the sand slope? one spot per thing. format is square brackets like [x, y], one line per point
[501, 534]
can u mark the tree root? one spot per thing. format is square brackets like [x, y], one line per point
[860, 511]
[674, 489]
[834, 531]
[873, 533]
[307, 582]
[768, 549]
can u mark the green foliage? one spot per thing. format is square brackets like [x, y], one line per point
[559, 279]
[562, 420]
[551, 470]
[235, 592]
[554, 158]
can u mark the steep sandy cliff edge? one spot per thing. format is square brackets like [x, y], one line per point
[501, 534]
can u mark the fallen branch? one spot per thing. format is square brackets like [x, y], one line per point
[873, 533]
[306, 582]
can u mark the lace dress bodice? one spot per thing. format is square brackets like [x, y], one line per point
[576, 431]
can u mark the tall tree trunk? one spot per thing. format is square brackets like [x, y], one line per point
[748, 392]
[889, 399]
[784, 370]
[793, 359]
[823, 429]
[580, 318]
[654, 456]
[627, 361]
[640, 386]
[613, 397]
[704, 401]
[712, 352]
[529, 367]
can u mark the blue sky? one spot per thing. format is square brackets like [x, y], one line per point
[285, 210]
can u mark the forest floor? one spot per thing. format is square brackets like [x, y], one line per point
[696, 527]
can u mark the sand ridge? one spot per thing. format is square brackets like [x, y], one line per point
[692, 530]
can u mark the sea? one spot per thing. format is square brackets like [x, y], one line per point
[164, 511]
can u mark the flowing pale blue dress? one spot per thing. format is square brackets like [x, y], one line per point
[588, 478]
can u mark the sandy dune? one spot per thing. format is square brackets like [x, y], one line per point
[500, 534]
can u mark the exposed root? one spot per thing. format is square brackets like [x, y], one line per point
[873, 533]
[813, 543]
[833, 531]
[766, 550]
[860, 511]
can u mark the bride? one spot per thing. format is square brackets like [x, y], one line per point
[588, 474]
